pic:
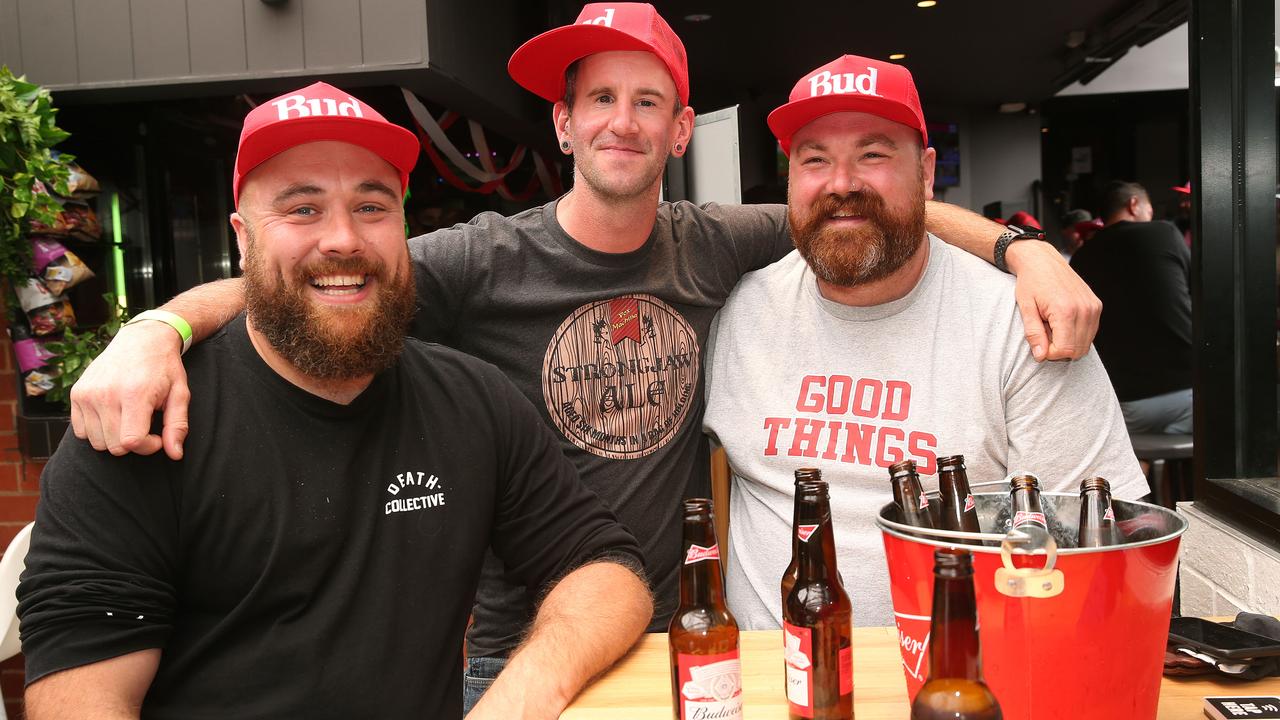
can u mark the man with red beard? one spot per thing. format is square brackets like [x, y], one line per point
[317, 551]
[897, 347]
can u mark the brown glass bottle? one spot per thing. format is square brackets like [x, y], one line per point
[913, 505]
[706, 673]
[954, 690]
[803, 475]
[817, 618]
[1024, 503]
[1097, 519]
[959, 511]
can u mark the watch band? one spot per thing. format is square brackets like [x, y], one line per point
[173, 320]
[1012, 234]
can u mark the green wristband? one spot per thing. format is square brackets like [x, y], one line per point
[173, 320]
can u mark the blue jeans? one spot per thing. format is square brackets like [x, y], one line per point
[477, 678]
[1163, 414]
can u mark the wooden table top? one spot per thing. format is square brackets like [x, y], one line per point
[639, 686]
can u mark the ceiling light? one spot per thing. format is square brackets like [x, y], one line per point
[1012, 107]
[926, 3]
[697, 17]
[1044, 130]
[898, 56]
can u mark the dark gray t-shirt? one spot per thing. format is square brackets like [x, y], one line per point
[609, 347]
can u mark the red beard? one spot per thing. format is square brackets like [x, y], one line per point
[874, 250]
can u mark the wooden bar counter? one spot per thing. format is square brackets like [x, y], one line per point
[639, 686]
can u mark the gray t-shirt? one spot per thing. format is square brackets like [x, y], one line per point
[608, 346]
[796, 380]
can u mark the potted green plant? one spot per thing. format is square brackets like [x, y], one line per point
[28, 168]
[31, 178]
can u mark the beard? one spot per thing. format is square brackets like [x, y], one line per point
[329, 343]
[614, 185]
[856, 256]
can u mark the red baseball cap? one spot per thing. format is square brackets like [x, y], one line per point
[539, 64]
[1184, 189]
[314, 113]
[1024, 220]
[850, 84]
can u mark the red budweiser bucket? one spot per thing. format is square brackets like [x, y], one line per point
[1067, 633]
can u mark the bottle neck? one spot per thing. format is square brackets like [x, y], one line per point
[816, 556]
[1093, 510]
[701, 576]
[953, 483]
[954, 650]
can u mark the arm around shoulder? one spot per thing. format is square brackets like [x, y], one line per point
[1059, 312]
[141, 372]
[588, 620]
[111, 689]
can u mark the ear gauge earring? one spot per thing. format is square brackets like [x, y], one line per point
[679, 147]
[565, 146]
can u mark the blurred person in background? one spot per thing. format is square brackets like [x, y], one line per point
[1141, 270]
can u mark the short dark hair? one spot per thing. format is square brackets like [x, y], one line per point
[1116, 197]
[571, 78]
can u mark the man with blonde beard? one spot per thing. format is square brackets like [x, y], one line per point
[317, 551]
[897, 347]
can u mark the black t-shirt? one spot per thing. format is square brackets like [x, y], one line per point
[1142, 274]
[305, 559]
[609, 348]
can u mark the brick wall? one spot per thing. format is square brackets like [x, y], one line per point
[19, 490]
[1225, 569]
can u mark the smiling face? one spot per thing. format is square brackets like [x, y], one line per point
[623, 124]
[327, 276]
[855, 197]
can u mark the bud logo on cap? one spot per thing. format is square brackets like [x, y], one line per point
[824, 83]
[850, 84]
[606, 19]
[302, 106]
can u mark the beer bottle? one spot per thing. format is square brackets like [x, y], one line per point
[955, 689]
[706, 674]
[1097, 519]
[817, 618]
[959, 511]
[913, 506]
[1024, 503]
[803, 475]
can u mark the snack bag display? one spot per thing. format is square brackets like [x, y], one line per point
[46, 312]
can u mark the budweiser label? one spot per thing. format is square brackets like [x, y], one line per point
[913, 639]
[710, 686]
[969, 504]
[805, 531]
[924, 502]
[1109, 514]
[697, 553]
[797, 654]
[1026, 517]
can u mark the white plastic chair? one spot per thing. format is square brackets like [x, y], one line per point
[11, 566]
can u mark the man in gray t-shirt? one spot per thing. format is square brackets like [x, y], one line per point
[873, 343]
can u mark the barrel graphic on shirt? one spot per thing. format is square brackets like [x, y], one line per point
[620, 375]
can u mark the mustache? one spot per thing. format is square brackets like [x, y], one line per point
[341, 266]
[865, 203]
